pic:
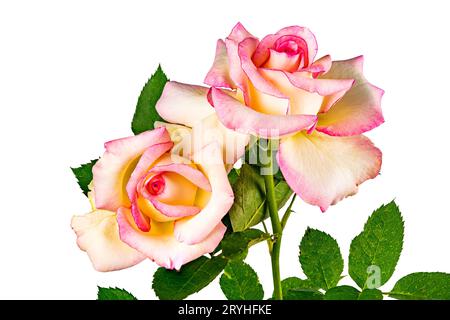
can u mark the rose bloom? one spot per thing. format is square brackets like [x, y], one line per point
[159, 194]
[318, 108]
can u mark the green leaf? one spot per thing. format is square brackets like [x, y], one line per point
[235, 244]
[321, 259]
[194, 276]
[84, 175]
[374, 253]
[422, 286]
[249, 196]
[282, 193]
[371, 294]
[342, 293]
[249, 206]
[294, 288]
[240, 282]
[256, 156]
[279, 175]
[114, 294]
[351, 293]
[233, 176]
[227, 222]
[146, 114]
[256, 150]
[303, 294]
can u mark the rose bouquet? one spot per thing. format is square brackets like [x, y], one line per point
[209, 166]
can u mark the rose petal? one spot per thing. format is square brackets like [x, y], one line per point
[206, 126]
[211, 130]
[187, 171]
[141, 220]
[112, 171]
[98, 234]
[307, 95]
[219, 74]
[147, 159]
[174, 211]
[359, 110]
[323, 170]
[177, 191]
[261, 54]
[265, 103]
[282, 61]
[306, 35]
[91, 196]
[246, 49]
[238, 34]
[319, 66]
[239, 117]
[195, 229]
[181, 136]
[183, 103]
[160, 244]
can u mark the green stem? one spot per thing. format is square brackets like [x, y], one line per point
[288, 212]
[276, 225]
[269, 241]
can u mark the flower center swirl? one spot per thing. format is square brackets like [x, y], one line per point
[156, 185]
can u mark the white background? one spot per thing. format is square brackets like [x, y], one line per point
[70, 75]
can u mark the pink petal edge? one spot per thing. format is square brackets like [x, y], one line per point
[241, 118]
[108, 171]
[193, 175]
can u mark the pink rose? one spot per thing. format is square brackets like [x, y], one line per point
[318, 108]
[156, 197]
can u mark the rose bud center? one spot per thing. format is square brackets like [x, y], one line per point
[289, 47]
[155, 185]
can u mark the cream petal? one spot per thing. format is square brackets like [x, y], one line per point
[219, 74]
[195, 229]
[323, 170]
[112, 171]
[184, 103]
[160, 244]
[359, 110]
[98, 234]
[236, 116]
